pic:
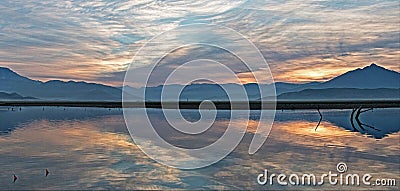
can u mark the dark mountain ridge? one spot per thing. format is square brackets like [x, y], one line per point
[376, 79]
[342, 94]
[14, 96]
[11, 82]
[372, 76]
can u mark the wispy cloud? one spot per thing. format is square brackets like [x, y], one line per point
[96, 40]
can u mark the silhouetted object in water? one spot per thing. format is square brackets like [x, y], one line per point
[359, 111]
[320, 119]
[47, 172]
[352, 121]
[15, 178]
[355, 114]
[355, 117]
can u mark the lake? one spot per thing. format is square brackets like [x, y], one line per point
[91, 148]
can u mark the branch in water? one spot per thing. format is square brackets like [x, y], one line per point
[320, 119]
[352, 120]
[359, 111]
[366, 110]
[358, 120]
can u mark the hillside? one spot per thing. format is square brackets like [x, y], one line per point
[11, 82]
[342, 93]
[13, 96]
[356, 84]
[369, 77]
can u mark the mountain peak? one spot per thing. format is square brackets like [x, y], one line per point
[372, 76]
[374, 66]
[7, 73]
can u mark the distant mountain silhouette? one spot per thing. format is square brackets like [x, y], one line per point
[345, 86]
[7, 74]
[342, 93]
[372, 76]
[12, 82]
[283, 87]
[198, 92]
[371, 82]
[13, 96]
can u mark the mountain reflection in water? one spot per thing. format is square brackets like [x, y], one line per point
[91, 149]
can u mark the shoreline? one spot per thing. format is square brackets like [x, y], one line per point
[219, 105]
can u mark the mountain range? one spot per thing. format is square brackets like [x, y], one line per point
[14, 96]
[371, 82]
[11, 82]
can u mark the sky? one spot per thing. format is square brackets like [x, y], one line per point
[96, 41]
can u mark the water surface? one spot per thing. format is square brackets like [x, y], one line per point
[90, 148]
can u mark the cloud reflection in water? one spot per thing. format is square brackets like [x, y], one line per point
[97, 152]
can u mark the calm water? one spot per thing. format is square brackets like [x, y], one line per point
[91, 149]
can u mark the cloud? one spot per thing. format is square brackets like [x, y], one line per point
[95, 40]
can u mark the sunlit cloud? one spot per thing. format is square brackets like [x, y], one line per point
[95, 41]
